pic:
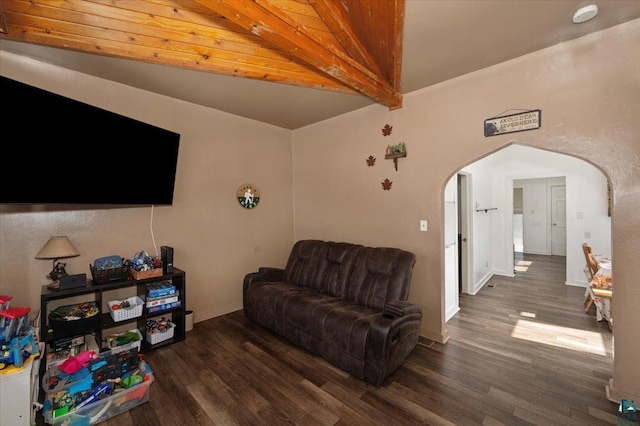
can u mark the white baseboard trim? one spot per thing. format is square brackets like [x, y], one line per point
[442, 337]
[451, 312]
[540, 252]
[478, 286]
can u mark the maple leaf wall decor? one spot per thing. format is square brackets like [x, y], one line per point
[371, 161]
[386, 130]
[386, 184]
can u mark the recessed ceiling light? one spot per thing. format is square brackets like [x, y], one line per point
[585, 13]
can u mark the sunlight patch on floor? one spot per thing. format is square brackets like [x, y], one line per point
[527, 314]
[558, 336]
[522, 265]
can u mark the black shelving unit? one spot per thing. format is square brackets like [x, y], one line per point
[97, 293]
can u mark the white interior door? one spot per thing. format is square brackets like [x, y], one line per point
[558, 221]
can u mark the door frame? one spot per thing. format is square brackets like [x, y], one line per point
[465, 225]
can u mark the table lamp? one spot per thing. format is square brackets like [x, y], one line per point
[57, 248]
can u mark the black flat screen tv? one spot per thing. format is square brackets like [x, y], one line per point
[57, 150]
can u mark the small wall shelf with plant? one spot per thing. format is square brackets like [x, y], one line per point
[396, 151]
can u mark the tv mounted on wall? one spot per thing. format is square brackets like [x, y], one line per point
[64, 151]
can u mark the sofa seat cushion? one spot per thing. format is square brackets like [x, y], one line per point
[269, 299]
[307, 311]
[304, 313]
[345, 332]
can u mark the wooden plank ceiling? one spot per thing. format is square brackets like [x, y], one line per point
[346, 46]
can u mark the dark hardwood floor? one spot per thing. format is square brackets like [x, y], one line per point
[522, 351]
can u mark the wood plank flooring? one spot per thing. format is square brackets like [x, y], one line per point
[522, 351]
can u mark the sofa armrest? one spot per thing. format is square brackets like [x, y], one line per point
[399, 308]
[265, 274]
[268, 269]
[392, 337]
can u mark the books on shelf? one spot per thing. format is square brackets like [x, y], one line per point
[160, 289]
[164, 307]
[162, 296]
[163, 300]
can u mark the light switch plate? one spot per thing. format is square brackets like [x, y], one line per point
[423, 225]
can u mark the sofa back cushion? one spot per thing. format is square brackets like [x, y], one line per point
[380, 275]
[324, 266]
[335, 270]
[302, 266]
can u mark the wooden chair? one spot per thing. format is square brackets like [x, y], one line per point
[592, 266]
[590, 270]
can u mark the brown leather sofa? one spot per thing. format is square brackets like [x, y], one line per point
[342, 301]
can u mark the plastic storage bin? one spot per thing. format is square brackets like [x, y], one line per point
[112, 340]
[133, 311]
[108, 407]
[160, 336]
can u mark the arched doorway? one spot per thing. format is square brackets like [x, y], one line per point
[489, 245]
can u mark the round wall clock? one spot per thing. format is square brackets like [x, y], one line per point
[248, 195]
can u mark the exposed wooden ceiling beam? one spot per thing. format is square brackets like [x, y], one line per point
[3, 23]
[338, 45]
[160, 33]
[338, 22]
[396, 49]
[257, 16]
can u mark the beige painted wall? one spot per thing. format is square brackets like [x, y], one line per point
[216, 241]
[588, 92]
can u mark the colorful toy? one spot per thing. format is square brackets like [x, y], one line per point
[73, 364]
[13, 322]
[5, 301]
[101, 391]
[155, 326]
[83, 385]
[131, 381]
[18, 349]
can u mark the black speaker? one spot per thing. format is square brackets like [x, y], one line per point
[73, 281]
[166, 254]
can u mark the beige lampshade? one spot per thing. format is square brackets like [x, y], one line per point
[57, 248]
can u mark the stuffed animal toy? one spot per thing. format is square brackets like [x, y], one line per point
[73, 364]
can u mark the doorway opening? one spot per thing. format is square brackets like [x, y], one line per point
[503, 224]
